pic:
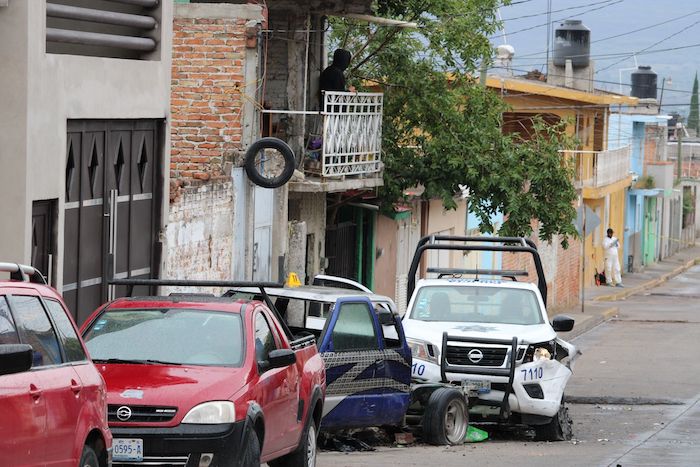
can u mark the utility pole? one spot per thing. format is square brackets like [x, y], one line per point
[679, 137]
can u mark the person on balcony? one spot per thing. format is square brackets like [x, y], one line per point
[333, 77]
[612, 261]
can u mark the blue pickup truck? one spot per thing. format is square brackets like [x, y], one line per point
[368, 361]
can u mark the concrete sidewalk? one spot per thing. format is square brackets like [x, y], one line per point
[599, 304]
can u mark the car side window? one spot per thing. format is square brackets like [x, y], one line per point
[264, 339]
[354, 329]
[72, 347]
[35, 329]
[8, 332]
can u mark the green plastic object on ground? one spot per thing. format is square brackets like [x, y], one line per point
[475, 435]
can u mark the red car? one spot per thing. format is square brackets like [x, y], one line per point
[202, 381]
[53, 404]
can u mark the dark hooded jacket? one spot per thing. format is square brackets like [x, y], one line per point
[332, 78]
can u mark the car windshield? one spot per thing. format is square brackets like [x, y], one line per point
[474, 304]
[170, 335]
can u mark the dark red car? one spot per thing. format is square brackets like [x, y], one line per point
[204, 381]
[53, 402]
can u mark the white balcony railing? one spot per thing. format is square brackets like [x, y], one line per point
[596, 169]
[352, 133]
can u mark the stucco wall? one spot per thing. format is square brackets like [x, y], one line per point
[14, 244]
[311, 209]
[200, 233]
[46, 90]
[386, 242]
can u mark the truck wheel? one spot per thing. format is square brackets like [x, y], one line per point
[305, 455]
[446, 419]
[269, 162]
[251, 456]
[89, 458]
[558, 429]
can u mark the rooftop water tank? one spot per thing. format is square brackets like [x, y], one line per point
[644, 83]
[572, 41]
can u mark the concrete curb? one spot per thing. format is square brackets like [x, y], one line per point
[591, 323]
[647, 285]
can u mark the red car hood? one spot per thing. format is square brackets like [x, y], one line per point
[173, 386]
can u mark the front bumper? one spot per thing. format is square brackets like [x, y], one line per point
[186, 444]
[534, 388]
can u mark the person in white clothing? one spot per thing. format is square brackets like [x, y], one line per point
[612, 261]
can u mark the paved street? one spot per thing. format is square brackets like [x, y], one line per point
[634, 395]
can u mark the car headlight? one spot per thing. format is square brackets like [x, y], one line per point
[211, 413]
[540, 351]
[423, 350]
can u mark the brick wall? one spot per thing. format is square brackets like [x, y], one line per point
[206, 105]
[562, 270]
[207, 79]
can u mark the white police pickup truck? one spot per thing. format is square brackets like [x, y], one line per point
[489, 334]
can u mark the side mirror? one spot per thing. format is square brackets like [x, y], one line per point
[562, 323]
[281, 358]
[15, 358]
[385, 317]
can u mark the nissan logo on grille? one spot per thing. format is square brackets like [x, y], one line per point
[123, 413]
[475, 355]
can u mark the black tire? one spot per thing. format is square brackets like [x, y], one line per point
[269, 143]
[89, 458]
[305, 454]
[558, 429]
[251, 455]
[445, 419]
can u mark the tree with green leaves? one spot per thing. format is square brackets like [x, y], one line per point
[442, 129]
[694, 115]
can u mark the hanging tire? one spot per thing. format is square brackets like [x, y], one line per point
[445, 419]
[266, 171]
[558, 429]
[89, 458]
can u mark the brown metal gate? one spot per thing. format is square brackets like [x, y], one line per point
[112, 208]
[341, 244]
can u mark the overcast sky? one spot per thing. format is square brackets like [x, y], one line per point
[607, 18]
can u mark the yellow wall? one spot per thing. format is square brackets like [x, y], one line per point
[614, 218]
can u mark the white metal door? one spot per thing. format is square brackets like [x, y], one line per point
[262, 236]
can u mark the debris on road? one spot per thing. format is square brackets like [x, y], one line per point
[475, 435]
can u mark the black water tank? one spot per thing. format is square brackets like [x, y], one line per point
[572, 41]
[644, 83]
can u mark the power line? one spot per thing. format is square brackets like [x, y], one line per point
[533, 15]
[609, 3]
[517, 3]
[651, 26]
[652, 45]
[592, 80]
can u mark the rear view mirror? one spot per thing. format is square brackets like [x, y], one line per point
[15, 358]
[281, 358]
[562, 323]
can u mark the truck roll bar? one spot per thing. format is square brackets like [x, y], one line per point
[131, 283]
[461, 243]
